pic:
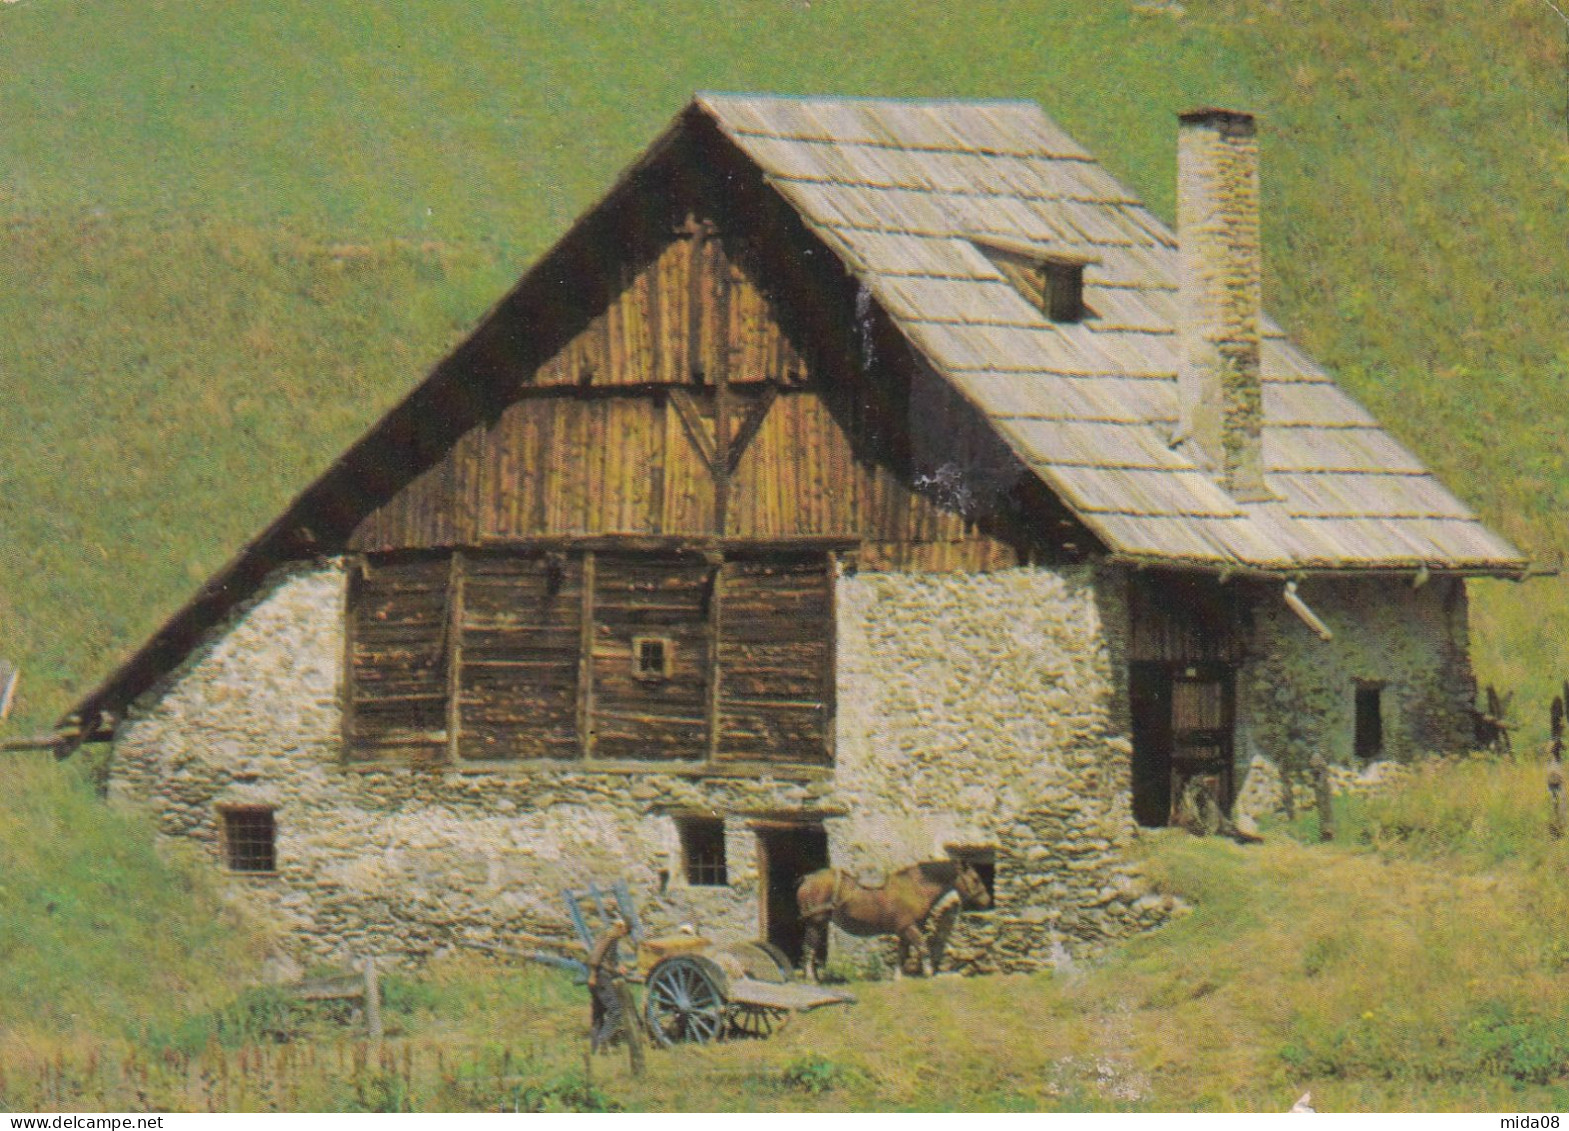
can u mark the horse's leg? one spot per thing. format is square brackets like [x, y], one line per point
[911, 939]
[941, 930]
[809, 949]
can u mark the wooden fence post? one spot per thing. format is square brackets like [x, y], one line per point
[1324, 795]
[634, 1027]
[1555, 802]
[372, 1001]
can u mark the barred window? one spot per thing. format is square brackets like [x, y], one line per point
[250, 839]
[703, 851]
[652, 657]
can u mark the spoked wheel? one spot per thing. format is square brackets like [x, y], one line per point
[757, 1020]
[686, 1001]
[785, 969]
[760, 960]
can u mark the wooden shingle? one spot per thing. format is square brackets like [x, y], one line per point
[900, 190]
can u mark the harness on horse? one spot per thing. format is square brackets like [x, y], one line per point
[835, 897]
[948, 903]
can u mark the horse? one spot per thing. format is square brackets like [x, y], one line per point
[901, 906]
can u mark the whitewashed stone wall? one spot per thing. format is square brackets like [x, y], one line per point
[972, 709]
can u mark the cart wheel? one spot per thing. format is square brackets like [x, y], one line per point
[757, 1020]
[782, 961]
[686, 1001]
[760, 960]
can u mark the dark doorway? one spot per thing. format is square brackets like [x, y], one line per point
[1184, 719]
[786, 855]
[1149, 695]
[1370, 721]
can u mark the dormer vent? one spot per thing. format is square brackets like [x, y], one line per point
[1051, 279]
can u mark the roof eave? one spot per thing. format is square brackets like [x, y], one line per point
[1520, 570]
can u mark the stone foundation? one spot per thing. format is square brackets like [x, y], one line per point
[1263, 789]
[976, 711]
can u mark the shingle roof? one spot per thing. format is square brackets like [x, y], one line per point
[902, 190]
[899, 190]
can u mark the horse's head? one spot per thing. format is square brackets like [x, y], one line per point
[971, 888]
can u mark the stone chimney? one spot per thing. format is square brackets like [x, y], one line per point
[1219, 299]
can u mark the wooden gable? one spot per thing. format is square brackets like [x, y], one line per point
[727, 384]
[690, 369]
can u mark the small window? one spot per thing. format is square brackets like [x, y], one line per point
[1051, 280]
[703, 851]
[983, 858]
[652, 657]
[1370, 721]
[250, 839]
[1064, 291]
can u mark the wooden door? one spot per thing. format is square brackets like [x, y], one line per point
[1149, 693]
[1184, 721]
[787, 854]
[1203, 721]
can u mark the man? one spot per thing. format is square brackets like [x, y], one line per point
[608, 1019]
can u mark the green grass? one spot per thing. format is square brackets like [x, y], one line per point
[231, 235]
[100, 931]
[1418, 964]
[183, 379]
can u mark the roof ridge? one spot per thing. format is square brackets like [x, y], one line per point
[919, 100]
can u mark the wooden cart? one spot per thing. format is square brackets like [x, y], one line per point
[698, 990]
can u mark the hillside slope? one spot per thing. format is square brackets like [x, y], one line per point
[102, 931]
[230, 235]
[1417, 964]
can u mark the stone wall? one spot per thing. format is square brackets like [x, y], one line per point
[980, 710]
[400, 862]
[1264, 789]
[972, 710]
[1296, 695]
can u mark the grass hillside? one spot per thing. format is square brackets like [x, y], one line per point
[231, 234]
[99, 931]
[1417, 964]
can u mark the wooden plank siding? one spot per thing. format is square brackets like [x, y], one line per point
[776, 659]
[512, 656]
[1183, 619]
[519, 673]
[397, 661]
[618, 432]
[666, 599]
[677, 465]
[643, 334]
[556, 467]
